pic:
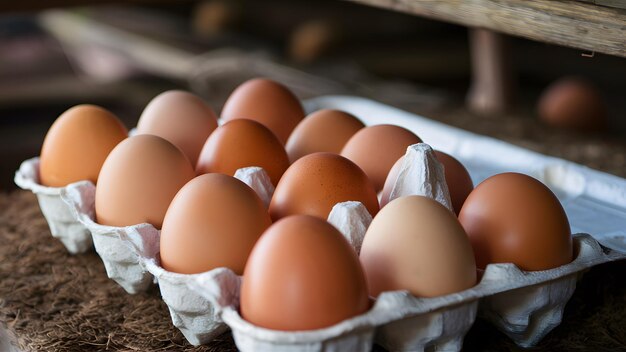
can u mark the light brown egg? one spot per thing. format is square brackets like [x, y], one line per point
[513, 218]
[267, 102]
[376, 148]
[77, 144]
[138, 181]
[417, 244]
[242, 143]
[316, 182]
[214, 221]
[180, 117]
[573, 103]
[322, 131]
[302, 275]
[457, 178]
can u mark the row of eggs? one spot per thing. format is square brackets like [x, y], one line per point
[299, 272]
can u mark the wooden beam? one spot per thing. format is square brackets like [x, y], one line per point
[37, 5]
[569, 23]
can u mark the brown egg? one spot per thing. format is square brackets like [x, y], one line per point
[138, 181]
[77, 144]
[180, 117]
[376, 148]
[322, 131]
[302, 275]
[316, 182]
[267, 102]
[457, 178]
[243, 143]
[573, 103]
[417, 244]
[513, 218]
[214, 221]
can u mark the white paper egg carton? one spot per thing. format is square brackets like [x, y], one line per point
[527, 306]
[524, 305]
[120, 248]
[131, 258]
[63, 225]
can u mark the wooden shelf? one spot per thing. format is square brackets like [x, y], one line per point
[576, 24]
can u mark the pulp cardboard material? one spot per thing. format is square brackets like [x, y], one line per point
[423, 175]
[131, 258]
[120, 248]
[191, 313]
[351, 219]
[258, 180]
[74, 236]
[525, 305]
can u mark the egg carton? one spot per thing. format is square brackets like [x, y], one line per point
[63, 225]
[191, 313]
[120, 248]
[525, 305]
[399, 320]
[131, 258]
[595, 203]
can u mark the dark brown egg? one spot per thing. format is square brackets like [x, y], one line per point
[514, 218]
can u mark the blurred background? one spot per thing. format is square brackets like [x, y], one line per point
[120, 56]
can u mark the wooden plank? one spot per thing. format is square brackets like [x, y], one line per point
[568, 23]
[610, 3]
[36, 5]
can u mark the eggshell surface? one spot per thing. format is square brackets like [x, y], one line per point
[417, 244]
[77, 144]
[243, 143]
[138, 181]
[322, 131]
[458, 180]
[376, 148]
[267, 102]
[302, 275]
[214, 221]
[316, 182]
[573, 103]
[180, 117]
[514, 218]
